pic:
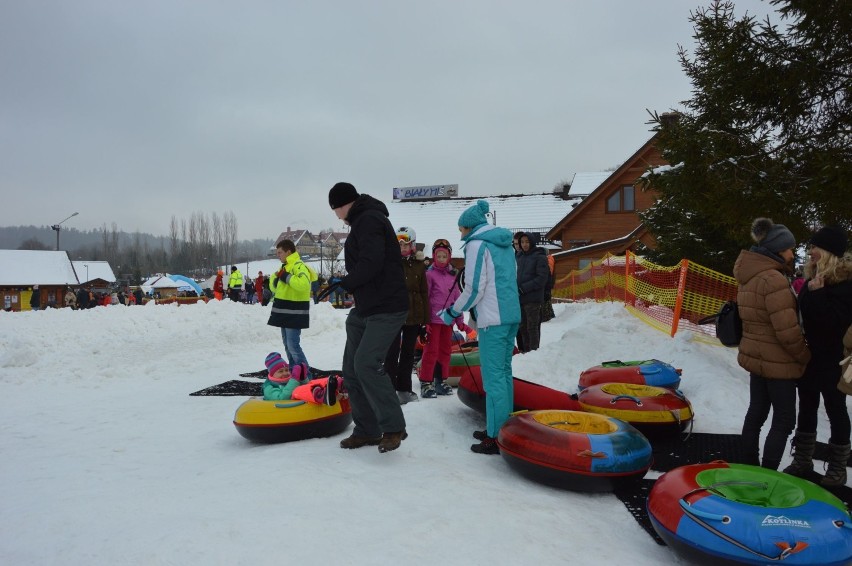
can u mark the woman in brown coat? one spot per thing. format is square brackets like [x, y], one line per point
[772, 348]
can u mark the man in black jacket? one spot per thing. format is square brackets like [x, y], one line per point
[374, 276]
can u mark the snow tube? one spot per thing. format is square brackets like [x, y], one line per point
[719, 513]
[655, 411]
[640, 372]
[285, 421]
[575, 450]
[528, 396]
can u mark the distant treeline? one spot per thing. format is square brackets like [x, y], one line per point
[194, 247]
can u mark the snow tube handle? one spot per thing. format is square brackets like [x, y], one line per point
[628, 397]
[725, 519]
[290, 405]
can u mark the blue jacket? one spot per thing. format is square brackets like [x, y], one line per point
[490, 277]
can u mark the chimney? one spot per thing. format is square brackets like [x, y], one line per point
[288, 229]
[669, 119]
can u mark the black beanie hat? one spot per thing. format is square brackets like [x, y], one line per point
[341, 194]
[832, 239]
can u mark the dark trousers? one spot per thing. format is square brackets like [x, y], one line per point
[375, 405]
[399, 361]
[529, 331]
[765, 394]
[811, 387]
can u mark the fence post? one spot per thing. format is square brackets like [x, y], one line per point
[681, 289]
[627, 258]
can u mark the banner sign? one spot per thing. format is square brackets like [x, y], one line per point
[431, 191]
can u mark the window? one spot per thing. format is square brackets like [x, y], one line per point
[622, 200]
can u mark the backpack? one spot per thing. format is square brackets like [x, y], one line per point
[729, 325]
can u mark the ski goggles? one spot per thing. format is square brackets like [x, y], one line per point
[403, 238]
[441, 244]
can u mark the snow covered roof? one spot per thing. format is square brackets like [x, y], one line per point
[95, 270]
[436, 219]
[584, 183]
[36, 267]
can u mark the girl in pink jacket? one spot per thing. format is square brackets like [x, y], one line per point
[443, 292]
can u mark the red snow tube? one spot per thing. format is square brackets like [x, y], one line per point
[575, 450]
[655, 411]
[528, 396]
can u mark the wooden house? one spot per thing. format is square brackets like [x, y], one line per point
[607, 220]
[24, 272]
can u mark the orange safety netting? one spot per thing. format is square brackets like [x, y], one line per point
[668, 298]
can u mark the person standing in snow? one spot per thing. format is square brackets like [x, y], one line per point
[374, 276]
[825, 303]
[443, 291]
[218, 287]
[772, 349]
[258, 287]
[35, 298]
[533, 278]
[399, 361]
[291, 286]
[491, 294]
[235, 284]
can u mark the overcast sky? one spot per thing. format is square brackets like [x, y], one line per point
[131, 112]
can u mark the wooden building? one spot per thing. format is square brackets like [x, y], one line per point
[24, 272]
[607, 221]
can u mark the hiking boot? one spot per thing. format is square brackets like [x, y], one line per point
[480, 434]
[427, 390]
[392, 440]
[838, 456]
[443, 388]
[487, 446]
[407, 397]
[331, 390]
[803, 444]
[355, 441]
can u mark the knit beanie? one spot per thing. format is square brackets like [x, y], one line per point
[774, 237]
[832, 239]
[273, 364]
[474, 215]
[341, 194]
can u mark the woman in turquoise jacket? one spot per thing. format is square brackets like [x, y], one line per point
[491, 296]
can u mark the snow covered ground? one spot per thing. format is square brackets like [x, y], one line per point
[106, 459]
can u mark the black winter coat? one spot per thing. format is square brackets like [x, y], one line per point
[373, 262]
[533, 275]
[826, 316]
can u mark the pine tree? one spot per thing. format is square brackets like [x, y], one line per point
[766, 133]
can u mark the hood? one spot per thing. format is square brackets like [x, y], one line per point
[363, 204]
[500, 237]
[749, 264]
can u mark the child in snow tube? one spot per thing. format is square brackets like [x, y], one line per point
[284, 383]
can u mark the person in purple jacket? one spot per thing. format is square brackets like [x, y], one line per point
[443, 292]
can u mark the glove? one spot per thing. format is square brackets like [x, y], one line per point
[281, 273]
[448, 316]
[328, 291]
[463, 327]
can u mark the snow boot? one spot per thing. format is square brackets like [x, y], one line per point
[392, 440]
[480, 434]
[443, 388]
[427, 390]
[406, 397]
[356, 441]
[803, 445]
[838, 456]
[487, 446]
